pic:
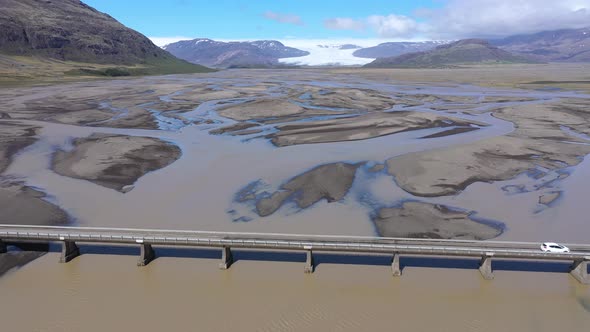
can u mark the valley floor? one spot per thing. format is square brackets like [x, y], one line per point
[470, 153]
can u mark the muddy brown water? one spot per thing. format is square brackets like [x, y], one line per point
[108, 292]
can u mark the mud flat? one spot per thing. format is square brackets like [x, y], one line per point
[80, 107]
[263, 108]
[114, 161]
[14, 137]
[20, 204]
[345, 98]
[528, 76]
[492, 99]
[193, 96]
[234, 129]
[330, 182]
[537, 141]
[23, 205]
[549, 198]
[304, 101]
[424, 220]
[450, 132]
[115, 104]
[361, 127]
[419, 99]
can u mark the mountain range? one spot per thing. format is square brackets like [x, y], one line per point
[466, 51]
[220, 54]
[568, 45]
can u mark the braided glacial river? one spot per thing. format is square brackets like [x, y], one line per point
[201, 191]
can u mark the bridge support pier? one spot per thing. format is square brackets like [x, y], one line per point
[3, 248]
[69, 251]
[395, 269]
[226, 258]
[485, 266]
[308, 262]
[580, 270]
[146, 254]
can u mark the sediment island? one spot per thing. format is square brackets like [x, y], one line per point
[433, 143]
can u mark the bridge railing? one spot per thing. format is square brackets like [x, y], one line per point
[127, 233]
[487, 250]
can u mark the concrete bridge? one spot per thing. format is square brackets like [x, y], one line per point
[146, 239]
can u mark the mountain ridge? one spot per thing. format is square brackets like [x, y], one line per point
[465, 51]
[208, 52]
[390, 49]
[564, 45]
[70, 30]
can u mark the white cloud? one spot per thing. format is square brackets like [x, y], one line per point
[344, 23]
[390, 26]
[489, 18]
[394, 25]
[163, 41]
[283, 18]
[475, 18]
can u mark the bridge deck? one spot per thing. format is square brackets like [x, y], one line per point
[580, 253]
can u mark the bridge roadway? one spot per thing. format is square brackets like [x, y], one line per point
[146, 238]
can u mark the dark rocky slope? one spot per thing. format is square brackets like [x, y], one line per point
[466, 51]
[73, 31]
[567, 45]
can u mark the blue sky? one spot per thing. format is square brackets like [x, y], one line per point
[239, 19]
[344, 19]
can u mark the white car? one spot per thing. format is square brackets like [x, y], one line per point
[554, 247]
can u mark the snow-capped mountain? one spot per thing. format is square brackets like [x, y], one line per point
[213, 53]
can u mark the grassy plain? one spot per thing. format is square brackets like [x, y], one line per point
[31, 70]
[567, 76]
